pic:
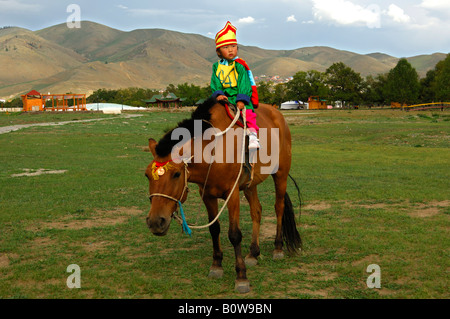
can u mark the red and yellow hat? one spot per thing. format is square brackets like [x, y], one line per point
[226, 36]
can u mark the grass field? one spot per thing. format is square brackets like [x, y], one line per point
[375, 190]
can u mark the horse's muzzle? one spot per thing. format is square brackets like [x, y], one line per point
[159, 226]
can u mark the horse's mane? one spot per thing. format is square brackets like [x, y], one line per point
[165, 145]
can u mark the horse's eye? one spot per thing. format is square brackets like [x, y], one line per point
[176, 175]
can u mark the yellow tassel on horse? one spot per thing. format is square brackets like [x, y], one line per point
[159, 169]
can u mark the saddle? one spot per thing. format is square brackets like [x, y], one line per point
[231, 112]
[248, 167]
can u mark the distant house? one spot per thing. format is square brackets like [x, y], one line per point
[33, 101]
[315, 103]
[161, 101]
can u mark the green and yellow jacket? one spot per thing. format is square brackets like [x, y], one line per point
[231, 79]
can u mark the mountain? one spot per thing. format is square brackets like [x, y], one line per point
[24, 57]
[59, 60]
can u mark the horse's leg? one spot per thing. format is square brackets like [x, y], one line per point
[235, 236]
[216, 270]
[280, 180]
[255, 212]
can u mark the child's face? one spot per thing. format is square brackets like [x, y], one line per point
[228, 52]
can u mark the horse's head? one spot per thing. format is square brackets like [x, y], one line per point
[168, 185]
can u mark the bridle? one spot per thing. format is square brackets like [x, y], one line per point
[182, 220]
[185, 188]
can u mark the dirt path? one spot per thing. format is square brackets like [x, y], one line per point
[8, 129]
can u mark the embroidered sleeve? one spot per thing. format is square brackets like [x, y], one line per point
[244, 91]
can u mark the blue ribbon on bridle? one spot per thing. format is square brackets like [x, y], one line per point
[185, 225]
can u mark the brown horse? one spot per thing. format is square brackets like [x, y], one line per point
[169, 181]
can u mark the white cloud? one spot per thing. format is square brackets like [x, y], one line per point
[436, 4]
[437, 7]
[121, 6]
[397, 14]
[247, 20]
[291, 19]
[16, 6]
[345, 12]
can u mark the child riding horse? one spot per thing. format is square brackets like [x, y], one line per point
[233, 81]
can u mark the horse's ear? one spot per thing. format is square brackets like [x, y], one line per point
[152, 145]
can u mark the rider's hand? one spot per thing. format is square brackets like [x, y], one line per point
[221, 97]
[240, 105]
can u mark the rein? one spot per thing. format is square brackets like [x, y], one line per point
[186, 227]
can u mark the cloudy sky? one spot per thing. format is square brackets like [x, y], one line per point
[400, 28]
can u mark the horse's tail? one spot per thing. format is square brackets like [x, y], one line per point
[298, 193]
[291, 236]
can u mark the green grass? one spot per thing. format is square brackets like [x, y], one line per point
[19, 118]
[375, 187]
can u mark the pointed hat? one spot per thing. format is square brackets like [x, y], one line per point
[226, 36]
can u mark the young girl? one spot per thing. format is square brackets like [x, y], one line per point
[233, 81]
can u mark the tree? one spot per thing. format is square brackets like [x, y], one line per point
[305, 84]
[14, 103]
[265, 94]
[280, 94]
[102, 96]
[298, 88]
[428, 87]
[373, 89]
[402, 83]
[442, 82]
[129, 96]
[345, 84]
[317, 81]
[190, 92]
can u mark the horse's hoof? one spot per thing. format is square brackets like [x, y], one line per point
[250, 261]
[242, 286]
[215, 272]
[277, 255]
